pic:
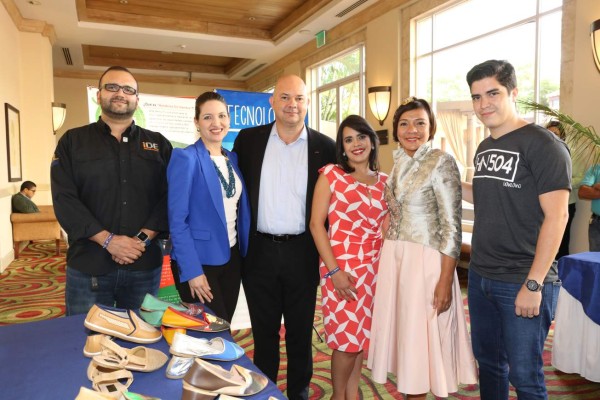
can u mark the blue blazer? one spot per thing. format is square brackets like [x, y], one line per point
[197, 214]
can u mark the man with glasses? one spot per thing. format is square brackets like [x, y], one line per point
[109, 190]
[21, 202]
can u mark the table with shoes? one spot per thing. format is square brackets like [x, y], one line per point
[59, 358]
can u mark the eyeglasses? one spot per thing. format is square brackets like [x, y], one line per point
[113, 87]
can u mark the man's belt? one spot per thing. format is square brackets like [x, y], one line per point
[279, 238]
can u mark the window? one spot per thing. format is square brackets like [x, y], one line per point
[448, 42]
[338, 90]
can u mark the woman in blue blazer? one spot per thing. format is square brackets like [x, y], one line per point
[209, 213]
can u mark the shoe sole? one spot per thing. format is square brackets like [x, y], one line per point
[120, 335]
[205, 357]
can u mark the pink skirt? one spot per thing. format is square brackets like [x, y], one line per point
[426, 352]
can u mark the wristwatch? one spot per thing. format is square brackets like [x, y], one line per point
[533, 286]
[144, 238]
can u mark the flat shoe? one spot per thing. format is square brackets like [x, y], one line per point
[106, 380]
[193, 393]
[124, 324]
[214, 349]
[152, 303]
[178, 367]
[92, 345]
[137, 359]
[89, 394]
[178, 319]
[154, 318]
[211, 378]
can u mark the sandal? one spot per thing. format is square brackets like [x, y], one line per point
[137, 359]
[107, 380]
[92, 345]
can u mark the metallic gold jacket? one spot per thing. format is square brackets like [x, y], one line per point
[424, 198]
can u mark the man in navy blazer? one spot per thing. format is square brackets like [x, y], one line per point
[280, 164]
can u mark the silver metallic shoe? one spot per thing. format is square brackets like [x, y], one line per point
[178, 367]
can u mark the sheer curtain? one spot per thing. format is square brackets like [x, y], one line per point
[451, 122]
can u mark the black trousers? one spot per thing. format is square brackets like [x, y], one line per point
[280, 279]
[563, 250]
[224, 281]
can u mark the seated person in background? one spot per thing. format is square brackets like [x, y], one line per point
[21, 202]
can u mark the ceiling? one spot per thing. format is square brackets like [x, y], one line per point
[196, 39]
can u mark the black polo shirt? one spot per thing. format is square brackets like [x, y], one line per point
[99, 183]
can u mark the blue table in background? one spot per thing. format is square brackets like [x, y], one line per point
[576, 345]
[44, 360]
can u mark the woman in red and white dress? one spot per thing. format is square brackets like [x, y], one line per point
[349, 196]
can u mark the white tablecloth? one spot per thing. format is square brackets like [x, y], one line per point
[576, 346]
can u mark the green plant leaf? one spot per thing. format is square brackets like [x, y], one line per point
[582, 140]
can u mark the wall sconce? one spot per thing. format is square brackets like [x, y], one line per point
[59, 113]
[595, 36]
[379, 101]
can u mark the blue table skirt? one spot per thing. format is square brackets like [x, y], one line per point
[44, 360]
[580, 275]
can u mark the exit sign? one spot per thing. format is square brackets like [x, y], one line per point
[320, 39]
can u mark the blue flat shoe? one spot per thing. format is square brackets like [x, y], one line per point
[216, 349]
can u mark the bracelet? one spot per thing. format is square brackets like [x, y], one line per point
[333, 271]
[107, 240]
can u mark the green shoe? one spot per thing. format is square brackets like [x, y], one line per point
[154, 318]
[152, 303]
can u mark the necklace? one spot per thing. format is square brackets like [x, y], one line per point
[228, 187]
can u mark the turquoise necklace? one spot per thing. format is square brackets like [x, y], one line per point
[228, 187]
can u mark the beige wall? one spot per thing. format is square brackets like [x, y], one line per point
[26, 83]
[9, 93]
[580, 89]
[383, 69]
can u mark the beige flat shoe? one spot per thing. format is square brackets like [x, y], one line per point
[121, 323]
[137, 359]
[110, 381]
[205, 379]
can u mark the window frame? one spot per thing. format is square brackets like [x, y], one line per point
[316, 90]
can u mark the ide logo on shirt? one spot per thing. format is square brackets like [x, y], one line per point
[150, 146]
[497, 164]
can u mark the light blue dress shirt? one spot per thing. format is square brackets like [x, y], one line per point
[282, 196]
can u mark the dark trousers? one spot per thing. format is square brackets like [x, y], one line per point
[563, 250]
[281, 278]
[224, 281]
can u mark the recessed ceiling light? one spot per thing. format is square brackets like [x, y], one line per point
[182, 46]
[251, 18]
[123, 1]
[305, 32]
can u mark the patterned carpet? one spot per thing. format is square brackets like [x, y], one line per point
[32, 289]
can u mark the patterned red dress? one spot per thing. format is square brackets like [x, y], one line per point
[356, 211]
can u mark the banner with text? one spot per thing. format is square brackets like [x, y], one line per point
[174, 116]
